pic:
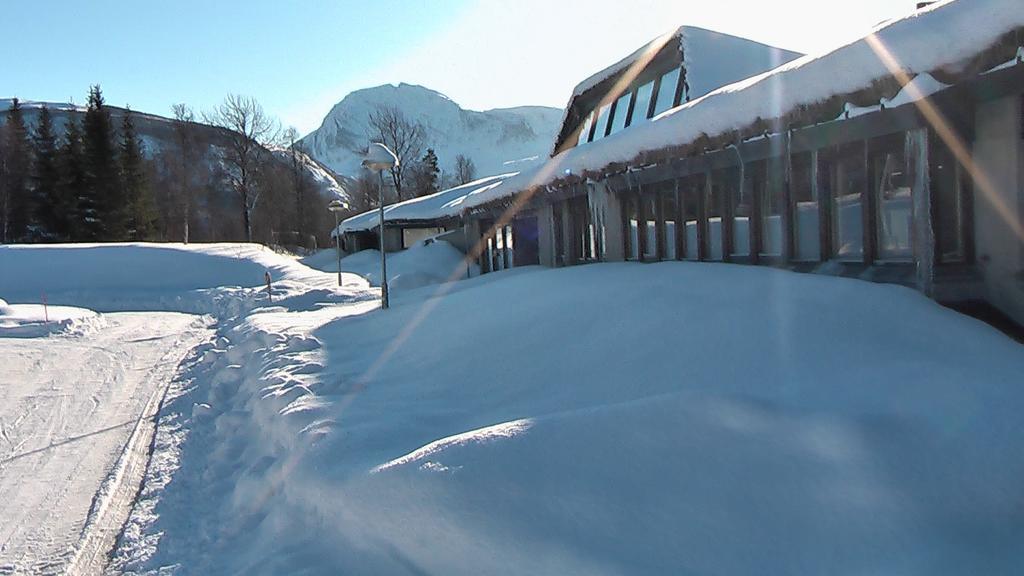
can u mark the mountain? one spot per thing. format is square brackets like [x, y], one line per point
[157, 134]
[494, 139]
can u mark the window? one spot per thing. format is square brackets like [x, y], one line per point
[602, 122]
[690, 191]
[892, 201]
[650, 211]
[621, 111]
[629, 210]
[947, 183]
[557, 225]
[667, 92]
[669, 213]
[769, 181]
[849, 182]
[723, 183]
[805, 202]
[643, 102]
[741, 205]
[585, 132]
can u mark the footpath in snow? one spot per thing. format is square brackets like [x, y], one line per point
[606, 419]
[83, 383]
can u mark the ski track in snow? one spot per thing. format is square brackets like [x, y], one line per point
[74, 417]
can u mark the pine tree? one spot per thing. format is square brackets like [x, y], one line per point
[80, 221]
[51, 212]
[103, 184]
[427, 174]
[15, 192]
[141, 213]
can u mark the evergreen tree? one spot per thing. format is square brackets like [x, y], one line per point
[15, 192]
[51, 212]
[79, 221]
[102, 173]
[141, 213]
[427, 174]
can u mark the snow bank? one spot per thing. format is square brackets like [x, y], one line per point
[200, 278]
[32, 320]
[435, 262]
[607, 419]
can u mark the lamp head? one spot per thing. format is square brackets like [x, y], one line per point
[379, 157]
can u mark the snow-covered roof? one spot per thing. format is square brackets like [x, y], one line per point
[946, 35]
[446, 203]
[711, 59]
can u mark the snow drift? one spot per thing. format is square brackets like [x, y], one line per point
[221, 278]
[35, 320]
[423, 264]
[607, 419]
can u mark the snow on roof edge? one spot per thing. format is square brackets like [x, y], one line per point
[438, 205]
[844, 69]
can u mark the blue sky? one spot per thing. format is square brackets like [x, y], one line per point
[299, 57]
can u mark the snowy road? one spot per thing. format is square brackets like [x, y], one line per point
[74, 418]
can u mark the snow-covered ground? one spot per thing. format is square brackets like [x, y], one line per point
[606, 419]
[79, 390]
[420, 265]
[68, 406]
[32, 320]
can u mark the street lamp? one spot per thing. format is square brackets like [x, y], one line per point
[378, 159]
[337, 206]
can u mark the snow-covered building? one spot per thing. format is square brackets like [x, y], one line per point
[898, 157]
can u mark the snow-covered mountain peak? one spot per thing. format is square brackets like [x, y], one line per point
[489, 138]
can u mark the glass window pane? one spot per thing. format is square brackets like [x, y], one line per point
[602, 122]
[741, 206]
[808, 241]
[944, 176]
[643, 101]
[723, 182]
[621, 110]
[850, 181]
[690, 190]
[631, 223]
[770, 185]
[669, 212]
[893, 202]
[667, 92]
[585, 132]
[651, 228]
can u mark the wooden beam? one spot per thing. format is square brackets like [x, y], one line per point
[787, 204]
[505, 235]
[702, 218]
[821, 189]
[641, 225]
[725, 202]
[869, 215]
[757, 213]
[916, 152]
[680, 222]
[659, 225]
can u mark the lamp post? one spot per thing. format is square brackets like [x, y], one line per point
[337, 206]
[378, 159]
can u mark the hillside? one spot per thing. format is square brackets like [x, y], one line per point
[157, 134]
[490, 139]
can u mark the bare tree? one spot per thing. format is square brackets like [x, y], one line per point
[389, 126]
[465, 170]
[251, 132]
[185, 165]
[298, 173]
